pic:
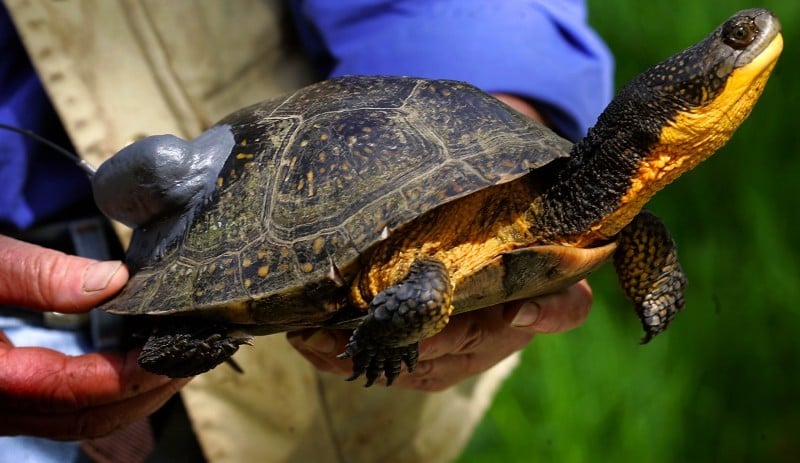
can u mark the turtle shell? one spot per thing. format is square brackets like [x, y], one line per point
[318, 177]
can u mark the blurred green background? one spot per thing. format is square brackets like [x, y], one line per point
[723, 384]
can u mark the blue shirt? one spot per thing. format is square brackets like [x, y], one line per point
[541, 50]
[35, 182]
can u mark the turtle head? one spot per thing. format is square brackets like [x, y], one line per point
[707, 90]
[673, 116]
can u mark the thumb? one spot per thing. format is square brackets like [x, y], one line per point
[553, 313]
[40, 278]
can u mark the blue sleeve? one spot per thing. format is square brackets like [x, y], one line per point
[540, 50]
[34, 183]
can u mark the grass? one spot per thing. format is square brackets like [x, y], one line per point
[723, 384]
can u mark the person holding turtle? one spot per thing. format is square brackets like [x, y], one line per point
[97, 393]
[52, 395]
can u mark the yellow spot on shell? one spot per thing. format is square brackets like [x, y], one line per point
[307, 267]
[220, 182]
[323, 137]
[242, 156]
[310, 177]
[247, 283]
[246, 262]
[263, 271]
[303, 143]
[318, 245]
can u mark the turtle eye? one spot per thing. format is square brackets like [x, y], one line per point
[738, 33]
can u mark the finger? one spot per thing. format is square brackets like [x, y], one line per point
[521, 105]
[36, 380]
[475, 341]
[41, 278]
[554, 313]
[90, 422]
[444, 372]
[470, 344]
[469, 332]
[479, 331]
[321, 347]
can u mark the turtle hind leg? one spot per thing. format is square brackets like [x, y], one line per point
[647, 264]
[398, 318]
[180, 348]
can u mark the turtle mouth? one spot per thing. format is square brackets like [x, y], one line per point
[763, 60]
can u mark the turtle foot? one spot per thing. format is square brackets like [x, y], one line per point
[398, 318]
[372, 362]
[183, 349]
[647, 264]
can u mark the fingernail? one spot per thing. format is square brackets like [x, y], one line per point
[99, 274]
[527, 315]
[322, 342]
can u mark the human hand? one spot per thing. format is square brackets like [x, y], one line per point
[470, 344]
[49, 394]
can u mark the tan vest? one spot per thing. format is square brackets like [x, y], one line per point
[120, 70]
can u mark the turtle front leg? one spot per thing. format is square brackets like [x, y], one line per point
[398, 318]
[647, 265]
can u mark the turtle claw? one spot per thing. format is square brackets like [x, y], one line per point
[235, 365]
[241, 337]
[372, 362]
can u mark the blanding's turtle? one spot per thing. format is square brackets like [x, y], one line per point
[391, 203]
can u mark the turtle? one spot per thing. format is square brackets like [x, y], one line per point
[389, 204]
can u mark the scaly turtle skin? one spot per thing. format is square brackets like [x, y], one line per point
[391, 203]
